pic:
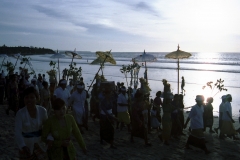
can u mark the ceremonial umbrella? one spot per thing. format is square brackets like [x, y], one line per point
[58, 55]
[178, 55]
[102, 58]
[100, 61]
[72, 55]
[17, 56]
[4, 57]
[145, 58]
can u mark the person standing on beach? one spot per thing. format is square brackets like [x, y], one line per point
[45, 98]
[139, 118]
[78, 100]
[62, 92]
[122, 109]
[208, 115]
[13, 95]
[183, 84]
[227, 121]
[157, 102]
[166, 119]
[196, 138]
[61, 127]
[107, 118]
[28, 127]
[221, 107]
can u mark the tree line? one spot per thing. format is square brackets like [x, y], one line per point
[25, 50]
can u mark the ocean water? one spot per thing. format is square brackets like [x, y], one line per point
[197, 70]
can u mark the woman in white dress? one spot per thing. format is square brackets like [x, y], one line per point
[28, 127]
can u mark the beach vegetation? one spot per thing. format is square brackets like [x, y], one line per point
[52, 72]
[74, 72]
[216, 87]
[9, 66]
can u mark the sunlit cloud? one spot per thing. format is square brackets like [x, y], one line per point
[155, 25]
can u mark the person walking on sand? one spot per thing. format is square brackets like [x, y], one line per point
[157, 102]
[107, 118]
[196, 138]
[183, 84]
[227, 121]
[166, 119]
[78, 100]
[61, 127]
[208, 115]
[122, 109]
[139, 118]
[221, 107]
[45, 97]
[28, 127]
[62, 92]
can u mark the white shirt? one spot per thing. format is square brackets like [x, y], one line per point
[123, 100]
[78, 100]
[69, 88]
[63, 94]
[221, 107]
[24, 123]
[196, 116]
[227, 108]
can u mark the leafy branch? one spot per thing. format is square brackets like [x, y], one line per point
[75, 72]
[218, 85]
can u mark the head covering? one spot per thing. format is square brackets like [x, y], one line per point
[228, 96]
[199, 98]
[79, 86]
[63, 81]
[223, 97]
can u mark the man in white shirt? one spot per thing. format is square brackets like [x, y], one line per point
[227, 121]
[122, 108]
[78, 100]
[62, 92]
[70, 86]
[196, 138]
[221, 107]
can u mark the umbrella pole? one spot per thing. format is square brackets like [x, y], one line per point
[146, 71]
[70, 67]
[58, 70]
[178, 76]
[97, 73]
[2, 63]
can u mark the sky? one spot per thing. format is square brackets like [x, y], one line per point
[122, 25]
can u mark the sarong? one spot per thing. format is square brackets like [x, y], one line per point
[106, 129]
[123, 117]
[166, 133]
[228, 128]
[196, 138]
[38, 154]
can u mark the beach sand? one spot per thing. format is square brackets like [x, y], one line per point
[220, 149]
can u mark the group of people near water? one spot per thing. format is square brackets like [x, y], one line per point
[43, 127]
